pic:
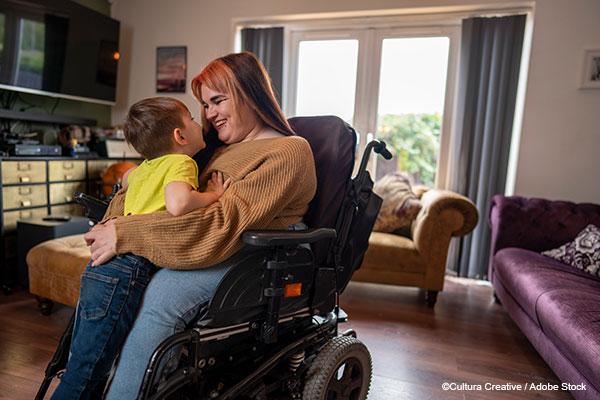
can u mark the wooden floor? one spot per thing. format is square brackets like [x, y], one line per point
[467, 338]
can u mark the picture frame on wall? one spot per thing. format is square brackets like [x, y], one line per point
[171, 69]
[590, 73]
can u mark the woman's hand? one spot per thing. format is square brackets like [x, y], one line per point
[216, 184]
[102, 240]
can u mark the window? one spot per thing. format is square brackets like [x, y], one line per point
[395, 84]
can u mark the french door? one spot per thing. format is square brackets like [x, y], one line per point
[396, 84]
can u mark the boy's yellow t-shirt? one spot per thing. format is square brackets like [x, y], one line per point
[146, 184]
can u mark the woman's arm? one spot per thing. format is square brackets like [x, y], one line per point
[285, 180]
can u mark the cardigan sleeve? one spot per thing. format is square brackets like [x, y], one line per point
[284, 178]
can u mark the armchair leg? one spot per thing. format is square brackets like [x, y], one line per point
[431, 297]
[45, 305]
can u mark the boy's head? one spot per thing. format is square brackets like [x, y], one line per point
[161, 125]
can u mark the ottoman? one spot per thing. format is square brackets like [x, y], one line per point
[55, 268]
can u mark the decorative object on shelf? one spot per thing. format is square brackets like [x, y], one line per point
[171, 69]
[590, 72]
[74, 139]
[114, 175]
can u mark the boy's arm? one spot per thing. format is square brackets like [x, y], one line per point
[125, 176]
[181, 198]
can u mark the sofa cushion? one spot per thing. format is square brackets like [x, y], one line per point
[583, 252]
[571, 319]
[526, 275]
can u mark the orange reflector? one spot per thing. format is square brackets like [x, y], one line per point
[292, 290]
[116, 56]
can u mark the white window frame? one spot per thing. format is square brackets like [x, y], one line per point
[368, 72]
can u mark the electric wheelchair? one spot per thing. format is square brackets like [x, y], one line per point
[271, 329]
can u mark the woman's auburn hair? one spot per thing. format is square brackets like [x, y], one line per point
[243, 77]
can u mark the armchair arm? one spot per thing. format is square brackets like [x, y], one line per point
[286, 238]
[537, 224]
[444, 214]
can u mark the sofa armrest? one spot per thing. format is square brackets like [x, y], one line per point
[537, 224]
[444, 214]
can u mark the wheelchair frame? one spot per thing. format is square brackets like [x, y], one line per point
[312, 326]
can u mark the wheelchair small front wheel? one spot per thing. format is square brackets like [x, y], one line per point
[341, 370]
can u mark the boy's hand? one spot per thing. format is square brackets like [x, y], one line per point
[216, 184]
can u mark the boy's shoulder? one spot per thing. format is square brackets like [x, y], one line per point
[167, 159]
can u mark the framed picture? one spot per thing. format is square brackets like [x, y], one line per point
[590, 75]
[171, 69]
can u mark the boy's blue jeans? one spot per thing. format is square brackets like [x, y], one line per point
[109, 299]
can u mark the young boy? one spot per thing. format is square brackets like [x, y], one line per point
[168, 178]
[163, 131]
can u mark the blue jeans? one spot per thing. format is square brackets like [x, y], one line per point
[109, 300]
[171, 302]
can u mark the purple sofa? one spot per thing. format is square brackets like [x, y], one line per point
[555, 305]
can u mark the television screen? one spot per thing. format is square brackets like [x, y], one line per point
[58, 47]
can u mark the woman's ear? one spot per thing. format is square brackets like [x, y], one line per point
[179, 137]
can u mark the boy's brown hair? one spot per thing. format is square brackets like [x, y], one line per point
[150, 123]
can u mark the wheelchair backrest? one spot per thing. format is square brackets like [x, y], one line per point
[333, 143]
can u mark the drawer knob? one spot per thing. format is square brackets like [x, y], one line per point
[68, 177]
[25, 203]
[68, 198]
[24, 179]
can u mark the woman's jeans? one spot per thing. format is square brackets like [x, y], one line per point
[109, 300]
[171, 302]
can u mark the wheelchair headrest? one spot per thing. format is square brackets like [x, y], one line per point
[333, 143]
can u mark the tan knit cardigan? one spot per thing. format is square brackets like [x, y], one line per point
[273, 180]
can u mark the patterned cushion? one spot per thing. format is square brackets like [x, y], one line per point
[400, 205]
[583, 252]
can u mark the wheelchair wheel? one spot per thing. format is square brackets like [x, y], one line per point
[341, 370]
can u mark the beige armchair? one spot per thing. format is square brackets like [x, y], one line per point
[421, 260]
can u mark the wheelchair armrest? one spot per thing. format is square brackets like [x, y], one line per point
[286, 238]
[94, 208]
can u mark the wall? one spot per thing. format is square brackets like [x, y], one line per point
[557, 118]
[560, 138]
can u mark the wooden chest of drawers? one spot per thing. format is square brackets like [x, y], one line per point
[36, 187]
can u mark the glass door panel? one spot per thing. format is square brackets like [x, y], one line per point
[326, 83]
[411, 102]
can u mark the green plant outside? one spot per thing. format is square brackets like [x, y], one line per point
[414, 140]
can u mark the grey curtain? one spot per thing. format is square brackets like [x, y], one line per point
[267, 44]
[488, 78]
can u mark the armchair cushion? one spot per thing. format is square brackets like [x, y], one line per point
[400, 205]
[582, 253]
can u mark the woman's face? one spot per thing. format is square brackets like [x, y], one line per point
[231, 126]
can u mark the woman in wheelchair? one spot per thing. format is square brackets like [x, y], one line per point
[272, 182]
[240, 314]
